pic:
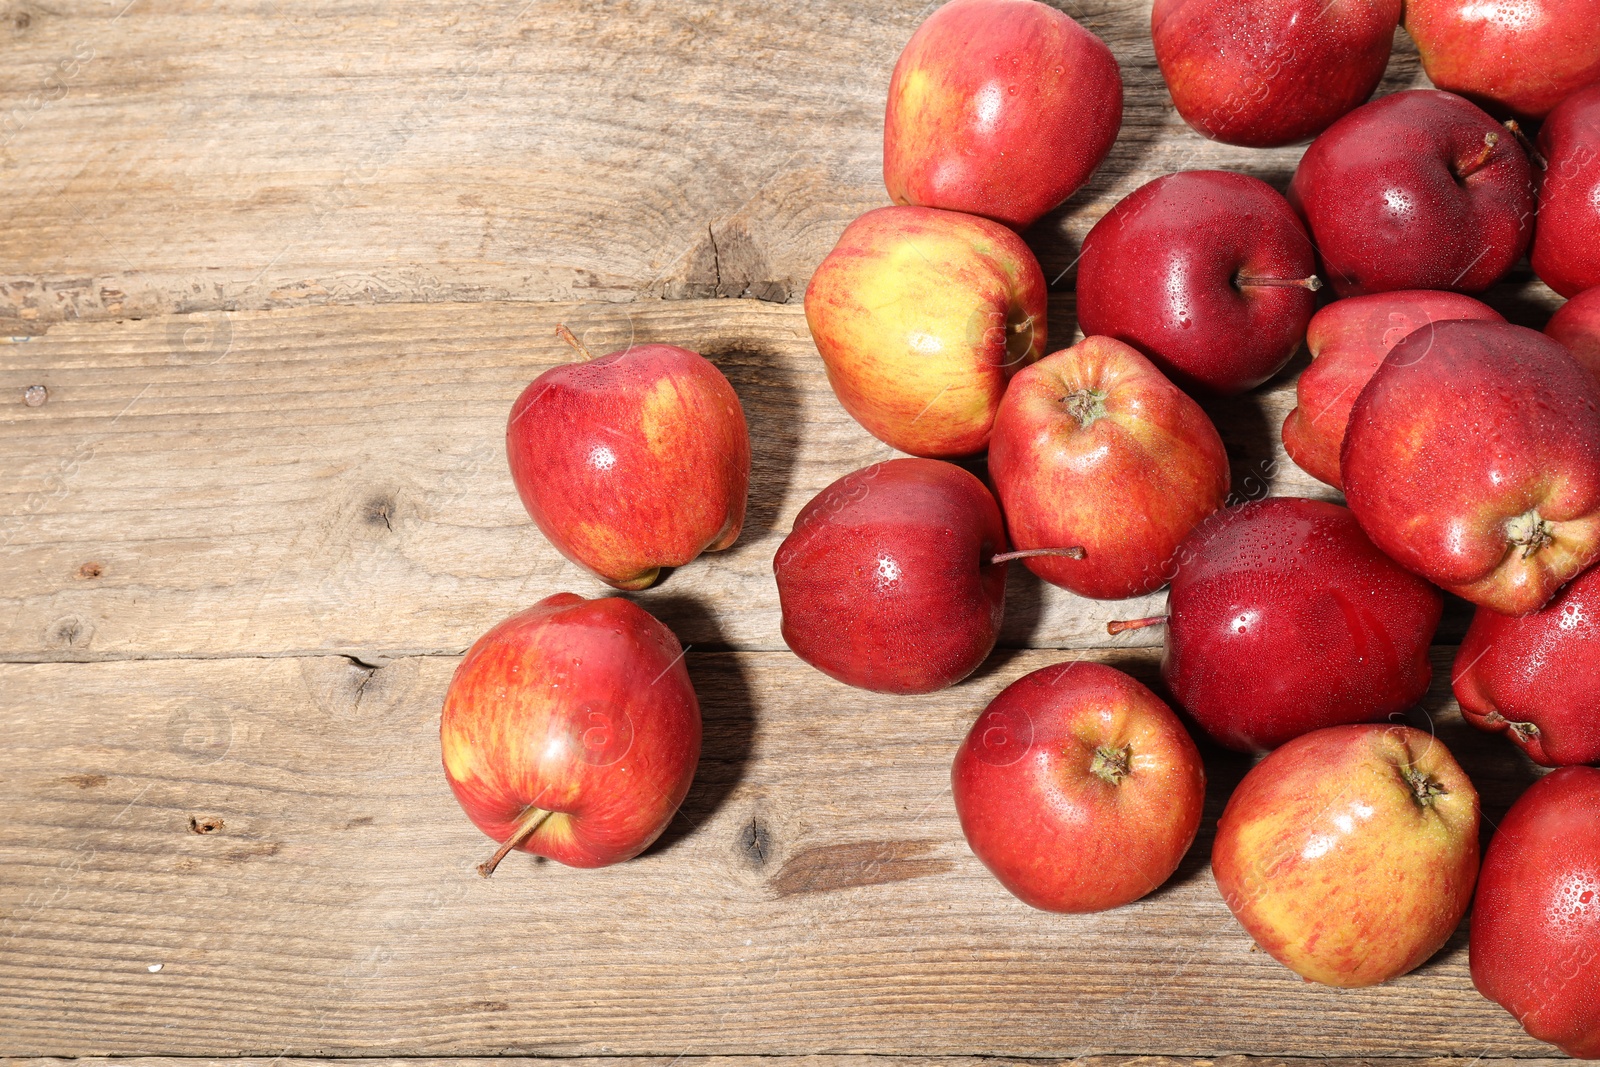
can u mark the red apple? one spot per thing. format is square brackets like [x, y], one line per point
[1349, 854]
[571, 731]
[1536, 922]
[1566, 245]
[888, 580]
[1093, 448]
[1348, 340]
[1078, 788]
[1518, 56]
[1283, 618]
[1208, 273]
[1000, 108]
[1271, 72]
[1416, 190]
[1537, 677]
[631, 462]
[1576, 325]
[1473, 458]
[922, 317]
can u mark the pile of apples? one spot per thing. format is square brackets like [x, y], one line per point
[1468, 450]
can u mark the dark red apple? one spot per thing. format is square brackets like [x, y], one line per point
[1473, 458]
[1519, 56]
[1566, 246]
[1348, 340]
[1078, 788]
[1537, 677]
[1208, 273]
[1283, 618]
[1094, 448]
[1535, 941]
[1416, 190]
[1000, 108]
[1349, 854]
[571, 731]
[1271, 72]
[888, 580]
[632, 462]
[1576, 324]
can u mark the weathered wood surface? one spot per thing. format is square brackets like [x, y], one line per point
[814, 895]
[819, 1060]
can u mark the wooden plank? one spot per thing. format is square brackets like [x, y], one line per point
[815, 894]
[823, 1060]
[180, 155]
[334, 479]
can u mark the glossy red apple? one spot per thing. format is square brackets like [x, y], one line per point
[1000, 108]
[1208, 273]
[1517, 56]
[571, 731]
[1473, 458]
[1349, 854]
[922, 317]
[1094, 448]
[1576, 325]
[1537, 677]
[1271, 72]
[1416, 190]
[631, 462]
[1283, 618]
[1348, 340]
[888, 580]
[1078, 788]
[1566, 244]
[1536, 923]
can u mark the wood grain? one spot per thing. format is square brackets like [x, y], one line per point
[823, 1060]
[814, 895]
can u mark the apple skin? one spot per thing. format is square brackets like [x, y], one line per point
[1283, 618]
[1473, 459]
[1536, 922]
[1522, 57]
[1161, 272]
[1348, 340]
[1271, 72]
[633, 461]
[1094, 448]
[582, 708]
[886, 583]
[1537, 678]
[922, 316]
[999, 108]
[1381, 193]
[1566, 244]
[1078, 788]
[1576, 325]
[1339, 858]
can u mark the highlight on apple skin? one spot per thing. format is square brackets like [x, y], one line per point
[1078, 788]
[921, 317]
[999, 108]
[1271, 72]
[1350, 853]
[571, 731]
[1566, 242]
[632, 462]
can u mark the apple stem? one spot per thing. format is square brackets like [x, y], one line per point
[1115, 628]
[577, 345]
[529, 821]
[1246, 282]
[1490, 141]
[1029, 553]
[1527, 145]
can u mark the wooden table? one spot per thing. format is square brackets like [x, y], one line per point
[281, 268]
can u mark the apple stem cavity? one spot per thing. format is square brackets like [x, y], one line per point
[571, 339]
[1424, 787]
[1112, 764]
[1088, 406]
[529, 821]
[1115, 628]
[1527, 144]
[1246, 281]
[1529, 532]
[1075, 552]
[1491, 141]
[1525, 731]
